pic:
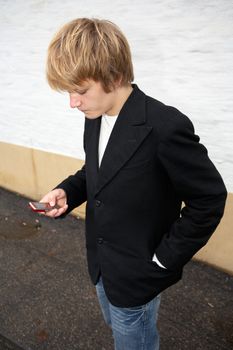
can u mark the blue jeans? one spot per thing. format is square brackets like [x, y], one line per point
[133, 328]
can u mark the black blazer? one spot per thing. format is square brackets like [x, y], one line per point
[153, 162]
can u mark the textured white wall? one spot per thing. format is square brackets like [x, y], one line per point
[182, 53]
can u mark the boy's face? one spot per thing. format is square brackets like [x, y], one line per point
[91, 99]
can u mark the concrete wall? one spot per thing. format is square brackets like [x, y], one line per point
[33, 173]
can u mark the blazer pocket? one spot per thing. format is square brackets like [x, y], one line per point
[163, 278]
[157, 265]
[137, 164]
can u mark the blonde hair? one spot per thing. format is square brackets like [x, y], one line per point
[89, 49]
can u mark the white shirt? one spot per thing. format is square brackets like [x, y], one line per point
[107, 124]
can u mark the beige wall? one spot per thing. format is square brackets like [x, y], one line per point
[33, 173]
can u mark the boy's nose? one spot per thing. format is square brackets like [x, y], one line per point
[74, 101]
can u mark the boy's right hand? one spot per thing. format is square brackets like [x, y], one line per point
[57, 198]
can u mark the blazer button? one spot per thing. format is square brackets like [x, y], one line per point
[100, 240]
[97, 203]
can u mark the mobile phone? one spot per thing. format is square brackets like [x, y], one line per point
[40, 207]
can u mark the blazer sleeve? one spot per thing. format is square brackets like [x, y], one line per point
[75, 188]
[198, 184]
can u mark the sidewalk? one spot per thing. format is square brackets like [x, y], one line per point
[47, 301]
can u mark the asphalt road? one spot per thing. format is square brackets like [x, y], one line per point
[47, 301]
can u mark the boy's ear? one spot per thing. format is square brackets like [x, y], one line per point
[118, 82]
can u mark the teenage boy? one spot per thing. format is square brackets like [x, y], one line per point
[142, 161]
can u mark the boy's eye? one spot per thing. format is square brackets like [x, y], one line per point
[81, 92]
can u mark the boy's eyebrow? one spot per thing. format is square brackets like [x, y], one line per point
[82, 88]
[79, 90]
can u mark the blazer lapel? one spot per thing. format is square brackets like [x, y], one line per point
[91, 149]
[127, 135]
